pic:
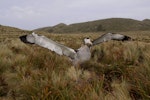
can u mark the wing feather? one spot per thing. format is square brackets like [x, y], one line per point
[54, 46]
[110, 36]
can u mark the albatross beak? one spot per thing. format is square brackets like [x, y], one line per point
[91, 43]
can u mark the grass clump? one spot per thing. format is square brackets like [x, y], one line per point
[116, 71]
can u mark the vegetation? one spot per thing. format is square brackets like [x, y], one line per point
[7, 32]
[116, 71]
[112, 24]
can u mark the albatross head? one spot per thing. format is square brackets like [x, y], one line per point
[87, 41]
[28, 38]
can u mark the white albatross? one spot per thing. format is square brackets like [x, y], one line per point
[77, 56]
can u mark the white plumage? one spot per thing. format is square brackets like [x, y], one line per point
[77, 56]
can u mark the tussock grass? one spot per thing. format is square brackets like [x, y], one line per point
[116, 71]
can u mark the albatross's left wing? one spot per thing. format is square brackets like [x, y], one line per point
[111, 36]
[49, 44]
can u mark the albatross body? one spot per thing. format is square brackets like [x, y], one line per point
[76, 56]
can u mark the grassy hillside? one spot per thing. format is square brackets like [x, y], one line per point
[10, 32]
[116, 71]
[147, 21]
[112, 24]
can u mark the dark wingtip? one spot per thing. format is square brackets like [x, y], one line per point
[24, 39]
[127, 38]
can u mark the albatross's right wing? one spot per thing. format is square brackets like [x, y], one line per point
[111, 36]
[49, 44]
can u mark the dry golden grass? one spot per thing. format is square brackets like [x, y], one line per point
[116, 71]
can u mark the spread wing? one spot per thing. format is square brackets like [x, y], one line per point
[49, 44]
[110, 36]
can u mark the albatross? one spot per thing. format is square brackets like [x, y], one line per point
[76, 56]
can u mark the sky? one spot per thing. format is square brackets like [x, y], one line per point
[32, 14]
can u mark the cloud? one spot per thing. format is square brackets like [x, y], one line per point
[21, 13]
[30, 14]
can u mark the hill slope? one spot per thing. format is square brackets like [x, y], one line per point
[10, 33]
[112, 24]
[10, 30]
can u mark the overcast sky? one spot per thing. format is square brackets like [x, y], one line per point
[32, 14]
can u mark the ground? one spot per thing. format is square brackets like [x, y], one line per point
[116, 71]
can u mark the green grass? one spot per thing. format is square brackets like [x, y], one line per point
[103, 25]
[116, 71]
